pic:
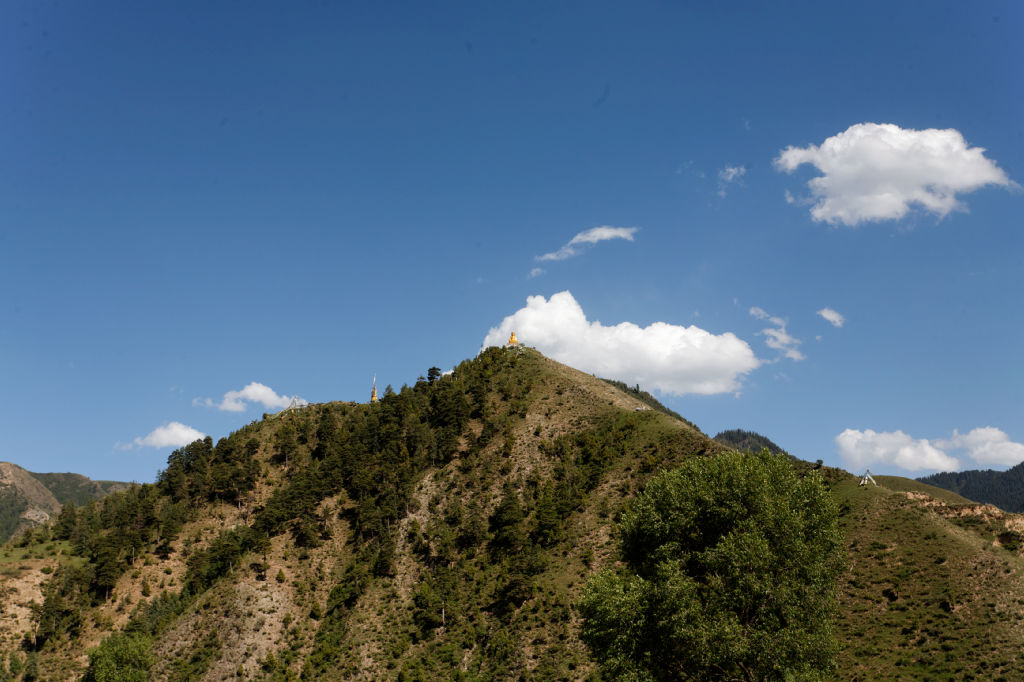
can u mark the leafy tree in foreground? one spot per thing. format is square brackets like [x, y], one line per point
[730, 574]
[120, 658]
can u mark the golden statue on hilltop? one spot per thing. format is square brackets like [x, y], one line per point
[512, 340]
[373, 392]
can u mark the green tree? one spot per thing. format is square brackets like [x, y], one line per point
[121, 658]
[730, 573]
[64, 528]
[507, 523]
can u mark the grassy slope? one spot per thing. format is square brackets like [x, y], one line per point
[907, 485]
[930, 594]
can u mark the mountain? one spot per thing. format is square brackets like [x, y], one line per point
[24, 501]
[28, 499]
[738, 439]
[1005, 489]
[447, 532]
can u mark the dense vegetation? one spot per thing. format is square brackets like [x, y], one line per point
[1005, 489]
[730, 574]
[12, 504]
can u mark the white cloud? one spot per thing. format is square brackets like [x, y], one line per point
[834, 318]
[170, 435]
[665, 357]
[729, 175]
[237, 401]
[777, 337]
[988, 446]
[873, 172]
[863, 449]
[591, 236]
[535, 272]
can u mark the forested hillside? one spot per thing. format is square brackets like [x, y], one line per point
[1005, 489]
[741, 440]
[448, 532]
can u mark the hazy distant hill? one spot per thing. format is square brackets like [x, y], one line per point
[1005, 489]
[24, 500]
[77, 488]
[446, 532]
[738, 439]
[28, 499]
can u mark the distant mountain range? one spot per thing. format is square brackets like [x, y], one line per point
[29, 499]
[1004, 489]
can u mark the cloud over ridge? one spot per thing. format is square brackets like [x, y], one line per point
[254, 392]
[171, 434]
[668, 358]
[987, 446]
[879, 171]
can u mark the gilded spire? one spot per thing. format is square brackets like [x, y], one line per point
[373, 392]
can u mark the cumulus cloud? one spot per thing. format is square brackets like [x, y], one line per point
[535, 272]
[863, 449]
[170, 435]
[873, 172]
[776, 336]
[255, 392]
[729, 175]
[665, 357]
[591, 236]
[988, 446]
[834, 318]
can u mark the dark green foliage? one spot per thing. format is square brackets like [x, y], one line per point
[220, 557]
[197, 660]
[508, 534]
[12, 504]
[747, 441]
[66, 523]
[121, 658]
[428, 609]
[731, 566]
[1004, 489]
[59, 614]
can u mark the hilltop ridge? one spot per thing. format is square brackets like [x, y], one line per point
[1005, 489]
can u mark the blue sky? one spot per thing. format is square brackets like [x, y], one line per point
[199, 197]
